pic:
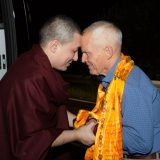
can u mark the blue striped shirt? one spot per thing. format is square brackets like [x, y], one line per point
[140, 112]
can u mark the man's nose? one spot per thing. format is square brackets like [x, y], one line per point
[84, 58]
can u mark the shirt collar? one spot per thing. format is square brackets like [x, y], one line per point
[106, 79]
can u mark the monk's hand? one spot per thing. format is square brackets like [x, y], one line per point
[85, 133]
[89, 120]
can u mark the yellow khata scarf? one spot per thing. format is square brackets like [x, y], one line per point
[107, 112]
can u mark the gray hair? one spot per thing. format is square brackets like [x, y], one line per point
[60, 27]
[108, 30]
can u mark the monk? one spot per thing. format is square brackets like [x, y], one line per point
[33, 97]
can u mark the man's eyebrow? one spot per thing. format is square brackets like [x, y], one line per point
[85, 51]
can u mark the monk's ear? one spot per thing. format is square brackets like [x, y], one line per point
[53, 45]
[109, 52]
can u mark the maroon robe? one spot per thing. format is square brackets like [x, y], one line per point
[33, 102]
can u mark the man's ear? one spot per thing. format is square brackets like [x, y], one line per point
[53, 45]
[109, 52]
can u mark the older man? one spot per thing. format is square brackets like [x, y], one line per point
[128, 104]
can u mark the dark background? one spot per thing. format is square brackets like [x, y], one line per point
[139, 21]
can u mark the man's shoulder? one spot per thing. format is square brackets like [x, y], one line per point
[138, 79]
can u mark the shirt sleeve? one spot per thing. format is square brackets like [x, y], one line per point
[137, 120]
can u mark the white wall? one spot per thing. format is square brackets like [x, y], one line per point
[3, 60]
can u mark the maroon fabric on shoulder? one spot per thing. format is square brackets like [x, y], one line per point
[33, 99]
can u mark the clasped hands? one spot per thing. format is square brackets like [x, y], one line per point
[87, 132]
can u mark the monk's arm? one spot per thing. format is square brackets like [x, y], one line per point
[83, 134]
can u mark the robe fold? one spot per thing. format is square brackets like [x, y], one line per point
[33, 99]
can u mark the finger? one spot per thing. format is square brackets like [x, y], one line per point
[92, 120]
